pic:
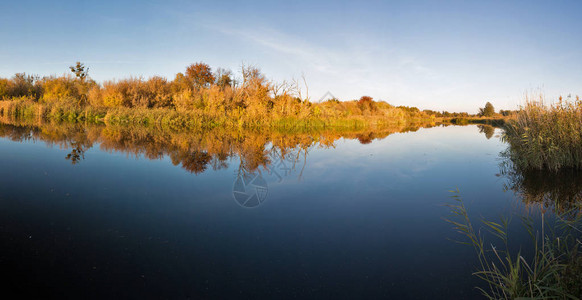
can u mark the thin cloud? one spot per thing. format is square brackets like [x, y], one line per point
[366, 67]
[96, 62]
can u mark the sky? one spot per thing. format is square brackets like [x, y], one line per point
[440, 55]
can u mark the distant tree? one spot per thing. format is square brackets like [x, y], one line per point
[365, 99]
[200, 74]
[80, 71]
[223, 78]
[366, 103]
[181, 83]
[506, 113]
[23, 85]
[255, 90]
[4, 87]
[410, 110]
[487, 111]
[252, 76]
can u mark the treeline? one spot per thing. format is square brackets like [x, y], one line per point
[216, 97]
[441, 114]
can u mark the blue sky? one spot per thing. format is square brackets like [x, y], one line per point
[442, 55]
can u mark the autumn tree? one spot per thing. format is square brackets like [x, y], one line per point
[223, 78]
[487, 111]
[366, 102]
[181, 83]
[4, 87]
[23, 85]
[200, 74]
[255, 91]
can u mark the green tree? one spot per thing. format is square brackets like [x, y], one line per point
[82, 74]
[487, 111]
[80, 71]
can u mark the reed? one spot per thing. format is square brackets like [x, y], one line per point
[70, 110]
[551, 271]
[546, 137]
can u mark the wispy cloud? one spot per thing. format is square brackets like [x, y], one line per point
[96, 62]
[365, 65]
[320, 58]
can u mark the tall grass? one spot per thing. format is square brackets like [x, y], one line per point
[552, 271]
[546, 137]
[195, 118]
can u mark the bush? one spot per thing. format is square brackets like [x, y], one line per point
[56, 89]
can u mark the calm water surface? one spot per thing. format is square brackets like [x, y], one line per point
[357, 217]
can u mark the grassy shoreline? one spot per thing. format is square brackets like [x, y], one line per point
[199, 98]
[167, 117]
[185, 120]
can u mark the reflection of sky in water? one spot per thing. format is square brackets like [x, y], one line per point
[357, 221]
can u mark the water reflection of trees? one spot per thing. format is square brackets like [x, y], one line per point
[488, 130]
[275, 151]
[560, 192]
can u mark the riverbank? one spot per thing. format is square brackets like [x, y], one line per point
[199, 118]
[197, 98]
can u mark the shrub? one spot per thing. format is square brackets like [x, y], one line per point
[56, 89]
[4, 88]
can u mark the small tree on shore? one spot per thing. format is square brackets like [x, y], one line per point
[223, 78]
[366, 103]
[200, 74]
[82, 74]
[487, 111]
[80, 71]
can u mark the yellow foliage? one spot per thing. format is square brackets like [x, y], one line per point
[4, 87]
[251, 101]
[95, 97]
[56, 89]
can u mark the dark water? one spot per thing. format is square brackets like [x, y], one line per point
[116, 213]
